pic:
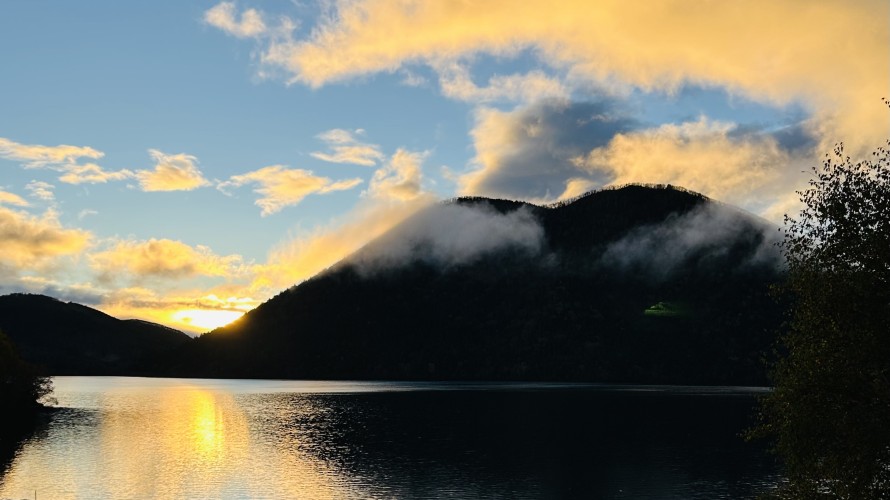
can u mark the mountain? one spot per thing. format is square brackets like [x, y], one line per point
[71, 339]
[644, 284]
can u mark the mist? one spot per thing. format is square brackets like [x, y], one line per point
[701, 237]
[451, 234]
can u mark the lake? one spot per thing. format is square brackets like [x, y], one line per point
[141, 438]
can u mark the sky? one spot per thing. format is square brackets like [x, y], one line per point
[183, 161]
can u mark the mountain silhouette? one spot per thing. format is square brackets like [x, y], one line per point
[66, 338]
[643, 284]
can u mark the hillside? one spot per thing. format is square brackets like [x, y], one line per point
[638, 284]
[71, 339]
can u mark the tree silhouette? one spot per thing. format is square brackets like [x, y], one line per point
[21, 387]
[829, 411]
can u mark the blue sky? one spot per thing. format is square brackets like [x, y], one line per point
[222, 152]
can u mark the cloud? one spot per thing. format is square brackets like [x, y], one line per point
[41, 190]
[703, 155]
[189, 310]
[222, 16]
[37, 156]
[394, 194]
[770, 51]
[28, 241]
[400, 178]
[12, 199]
[700, 237]
[531, 153]
[163, 258]
[62, 159]
[91, 173]
[456, 82]
[451, 234]
[280, 187]
[171, 173]
[345, 148]
[86, 213]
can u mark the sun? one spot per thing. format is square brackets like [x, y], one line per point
[206, 319]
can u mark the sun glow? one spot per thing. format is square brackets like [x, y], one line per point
[206, 319]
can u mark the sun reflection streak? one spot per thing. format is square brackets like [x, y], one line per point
[178, 440]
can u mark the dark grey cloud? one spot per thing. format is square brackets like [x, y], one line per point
[532, 152]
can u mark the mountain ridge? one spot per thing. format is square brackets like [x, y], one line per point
[68, 338]
[570, 306]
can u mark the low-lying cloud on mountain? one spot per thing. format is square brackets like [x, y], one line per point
[452, 234]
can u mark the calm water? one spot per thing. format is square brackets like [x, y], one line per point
[140, 438]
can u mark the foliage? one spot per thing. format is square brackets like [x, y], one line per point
[829, 411]
[22, 388]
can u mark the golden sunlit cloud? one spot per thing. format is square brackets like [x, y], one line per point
[345, 148]
[833, 55]
[163, 258]
[222, 16]
[41, 190]
[394, 195]
[12, 199]
[177, 172]
[36, 156]
[91, 173]
[280, 187]
[27, 240]
[457, 83]
[697, 155]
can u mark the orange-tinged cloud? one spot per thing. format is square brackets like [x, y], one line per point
[177, 172]
[163, 258]
[223, 17]
[345, 148]
[697, 155]
[27, 241]
[36, 155]
[12, 199]
[91, 173]
[280, 186]
[394, 194]
[834, 55]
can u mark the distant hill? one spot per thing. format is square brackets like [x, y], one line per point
[71, 339]
[639, 284]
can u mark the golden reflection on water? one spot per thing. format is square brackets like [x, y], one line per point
[170, 442]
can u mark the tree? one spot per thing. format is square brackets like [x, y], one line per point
[829, 413]
[21, 386]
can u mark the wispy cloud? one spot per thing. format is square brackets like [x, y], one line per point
[41, 190]
[280, 186]
[395, 193]
[401, 177]
[12, 199]
[177, 172]
[37, 156]
[223, 16]
[91, 173]
[63, 159]
[457, 83]
[345, 148]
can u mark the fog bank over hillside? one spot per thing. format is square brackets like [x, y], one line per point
[702, 235]
[452, 234]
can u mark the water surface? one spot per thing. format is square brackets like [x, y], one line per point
[120, 437]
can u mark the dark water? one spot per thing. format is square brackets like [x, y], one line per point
[177, 438]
